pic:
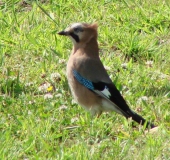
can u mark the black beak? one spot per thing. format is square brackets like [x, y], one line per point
[63, 33]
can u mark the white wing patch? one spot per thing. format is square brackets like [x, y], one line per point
[106, 92]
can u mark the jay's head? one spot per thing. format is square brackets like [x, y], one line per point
[80, 32]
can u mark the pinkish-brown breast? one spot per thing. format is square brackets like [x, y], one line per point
[80, 93]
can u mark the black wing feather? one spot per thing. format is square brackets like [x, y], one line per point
[117, 99]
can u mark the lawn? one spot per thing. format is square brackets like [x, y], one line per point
[39, 118]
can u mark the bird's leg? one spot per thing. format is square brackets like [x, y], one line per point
[98, 114]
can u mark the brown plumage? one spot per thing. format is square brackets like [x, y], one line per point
[89, 82]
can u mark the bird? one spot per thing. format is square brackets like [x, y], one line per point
[89, 82]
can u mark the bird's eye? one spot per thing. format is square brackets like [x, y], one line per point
[78, 29]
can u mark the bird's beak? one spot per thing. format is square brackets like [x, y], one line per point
[63, 33]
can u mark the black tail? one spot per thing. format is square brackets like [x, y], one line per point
[139, 119]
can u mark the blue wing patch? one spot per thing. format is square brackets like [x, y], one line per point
[88, 84]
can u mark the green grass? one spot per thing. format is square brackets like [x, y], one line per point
[131, 34]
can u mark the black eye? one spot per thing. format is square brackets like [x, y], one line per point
[77, 29]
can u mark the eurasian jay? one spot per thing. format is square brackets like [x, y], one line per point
[89, 82]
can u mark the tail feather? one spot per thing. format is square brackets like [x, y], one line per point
[139, 119]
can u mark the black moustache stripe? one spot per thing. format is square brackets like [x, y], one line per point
[75, 37]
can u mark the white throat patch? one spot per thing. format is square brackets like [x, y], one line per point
[72, 39]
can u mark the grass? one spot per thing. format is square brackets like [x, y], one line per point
[40, 120]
